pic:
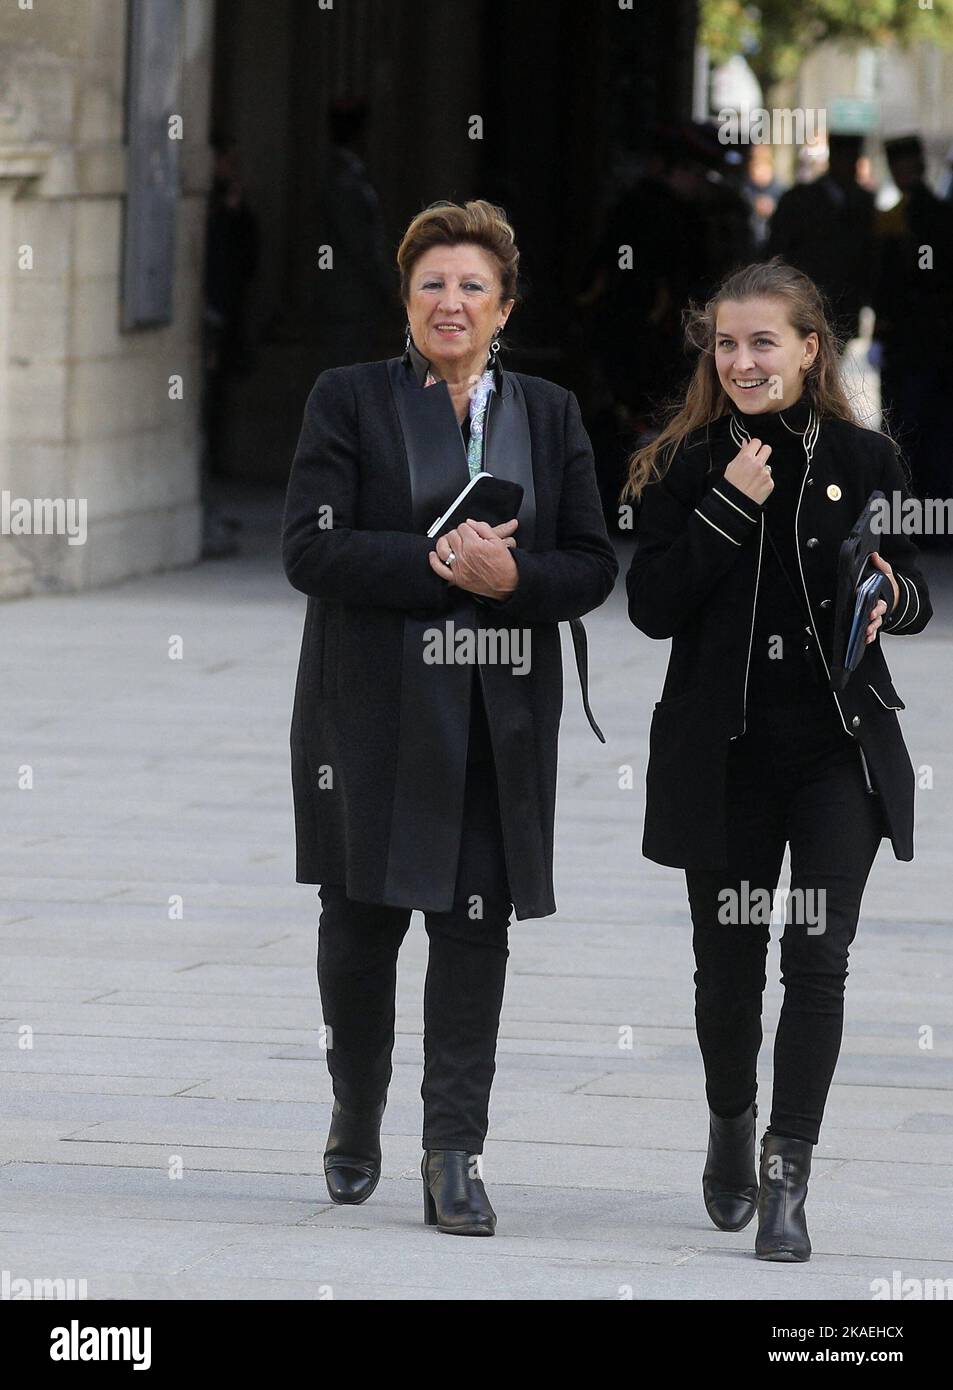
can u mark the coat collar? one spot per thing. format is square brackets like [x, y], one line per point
[420, 366]
[779, 428]
[775, 425]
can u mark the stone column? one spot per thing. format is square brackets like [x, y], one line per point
[19, 166]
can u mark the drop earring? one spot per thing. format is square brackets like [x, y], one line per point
[407, 338]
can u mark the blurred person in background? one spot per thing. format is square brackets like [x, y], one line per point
[913, 302]
[666, 241]
[232, 249]
[762, 190]
[354, 295]
[826, 229]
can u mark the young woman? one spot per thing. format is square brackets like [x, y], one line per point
[744, 500]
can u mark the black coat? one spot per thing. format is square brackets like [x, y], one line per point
[379, 737]
[693, 579]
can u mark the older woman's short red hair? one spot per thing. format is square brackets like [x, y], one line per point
[478, 223]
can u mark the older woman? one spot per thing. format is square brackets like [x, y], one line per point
[425, 779]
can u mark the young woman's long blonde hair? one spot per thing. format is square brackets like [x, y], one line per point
[705, 399]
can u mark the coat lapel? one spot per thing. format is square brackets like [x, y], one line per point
[436, 456]
[508, 452]
[434, 715]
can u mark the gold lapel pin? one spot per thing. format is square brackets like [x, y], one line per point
[833, 492]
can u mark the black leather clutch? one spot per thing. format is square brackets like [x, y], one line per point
[485, 498]
[857, 592]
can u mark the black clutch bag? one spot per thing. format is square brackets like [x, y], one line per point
[859, 585]
[485, 498]
[495, 500]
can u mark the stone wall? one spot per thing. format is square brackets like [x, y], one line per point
[84, 407]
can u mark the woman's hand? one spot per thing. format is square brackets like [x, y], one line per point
[482, 562]
[749, 471]
[504, 531]
[880, 607]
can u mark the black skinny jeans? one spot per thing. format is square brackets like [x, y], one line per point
[463, 994]
[793, 777]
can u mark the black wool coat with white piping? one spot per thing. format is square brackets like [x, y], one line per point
[699, 541]
[379, 737]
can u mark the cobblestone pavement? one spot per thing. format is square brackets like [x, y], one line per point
[135, 1042]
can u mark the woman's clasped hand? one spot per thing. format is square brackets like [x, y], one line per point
[476, 556]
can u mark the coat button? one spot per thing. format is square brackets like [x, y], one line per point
[855, 722]
[834, 492]
[825, 603]
[813, 543]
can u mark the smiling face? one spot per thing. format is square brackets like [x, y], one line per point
[760, 357]
[454, 308]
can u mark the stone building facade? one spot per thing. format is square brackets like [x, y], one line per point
[108, 416]
[86, 411]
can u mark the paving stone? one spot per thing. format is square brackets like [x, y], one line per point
[198, 1036]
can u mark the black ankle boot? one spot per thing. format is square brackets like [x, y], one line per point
[782, 1228]
[454, 1201]
[352, 1159]
[729, 1182]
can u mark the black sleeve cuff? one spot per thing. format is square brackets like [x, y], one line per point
[729, 510]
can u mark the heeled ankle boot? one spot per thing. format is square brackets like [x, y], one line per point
[455, 1199]
[782, 1227]
[352, 1158]
[730, 1182]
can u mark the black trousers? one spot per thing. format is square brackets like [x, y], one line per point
[794, 777]
[358, 945]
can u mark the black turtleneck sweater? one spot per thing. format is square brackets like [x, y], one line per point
[781, 672]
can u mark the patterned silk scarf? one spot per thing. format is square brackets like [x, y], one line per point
[479, 398]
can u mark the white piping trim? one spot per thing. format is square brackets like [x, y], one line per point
[752, 519]
[905, 606]
[739, 434]
[718, 529]
[882, 701]
[909, 584]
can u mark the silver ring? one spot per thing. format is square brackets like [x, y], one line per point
[767, 468]
[449, 560]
